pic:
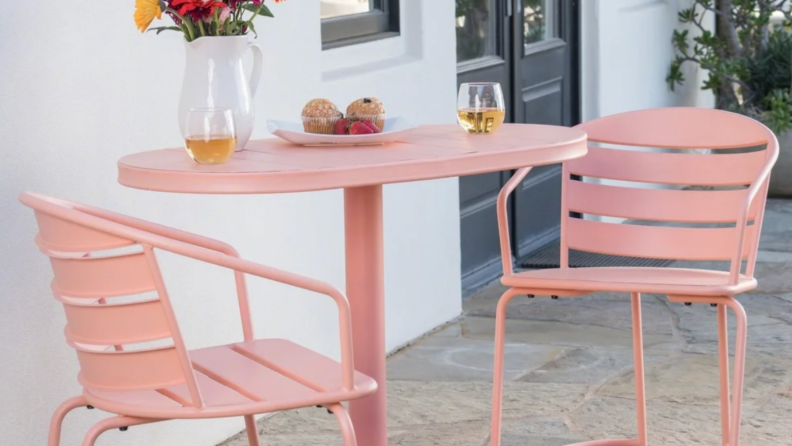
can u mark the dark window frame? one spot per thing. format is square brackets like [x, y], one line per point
[382, 22]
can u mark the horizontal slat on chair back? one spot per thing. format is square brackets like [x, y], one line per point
[82, 284]
[62, 235]
[670, 205]
[735, 169]
[654, 241]
[115, 323]
[120, 275]
[677, 127]
[127, 370]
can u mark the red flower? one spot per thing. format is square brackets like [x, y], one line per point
[197, 9]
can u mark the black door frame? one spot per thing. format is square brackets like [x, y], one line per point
[569, 31]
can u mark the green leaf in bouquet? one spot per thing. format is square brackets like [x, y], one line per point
[187, 25]
[258, 10]
[186, 32]
[160, 29]
[252, 27]
[232, 28]
[214, 27]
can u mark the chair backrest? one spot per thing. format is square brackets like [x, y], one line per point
[706, 220]
[119, 317]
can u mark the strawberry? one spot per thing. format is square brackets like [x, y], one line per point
[341, 127]
[359, 128]
[372, 126]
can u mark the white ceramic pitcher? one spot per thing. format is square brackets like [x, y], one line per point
[214, 78]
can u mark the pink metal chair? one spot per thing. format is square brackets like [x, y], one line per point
[741, 181]
[133, 361]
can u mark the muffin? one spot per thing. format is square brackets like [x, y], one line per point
[367, 109]
[320, 116]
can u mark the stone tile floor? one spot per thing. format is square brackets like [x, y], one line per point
[570, 372]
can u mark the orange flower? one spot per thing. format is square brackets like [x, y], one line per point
[145, 11]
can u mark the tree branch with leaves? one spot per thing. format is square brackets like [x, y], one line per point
[747, 61]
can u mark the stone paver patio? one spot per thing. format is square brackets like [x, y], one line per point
[570, 372]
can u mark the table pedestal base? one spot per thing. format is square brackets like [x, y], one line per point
[365, 290]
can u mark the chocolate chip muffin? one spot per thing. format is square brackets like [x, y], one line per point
[320, 116]
[370, 109]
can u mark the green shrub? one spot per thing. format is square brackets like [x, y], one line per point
[749, 64]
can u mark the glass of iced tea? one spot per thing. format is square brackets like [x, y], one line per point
[481, 107]
[210, 135]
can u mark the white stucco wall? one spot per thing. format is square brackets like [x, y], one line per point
[626, 52]
[81, 88]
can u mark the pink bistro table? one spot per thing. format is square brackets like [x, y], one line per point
[274, 166]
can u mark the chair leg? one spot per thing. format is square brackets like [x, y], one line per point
[497, 375]
[497, 388]
[347, 430]
[112, 423]
[640, 386]
[739, 370]
[57, 418]
[252, 430]
[723, 354]
[731, 407]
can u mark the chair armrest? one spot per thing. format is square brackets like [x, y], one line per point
[241, 266]
[759, 185]
[503, 219]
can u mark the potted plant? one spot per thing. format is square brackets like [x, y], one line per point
[216, 38]
[749, 65]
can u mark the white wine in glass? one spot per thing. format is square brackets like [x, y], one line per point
[210, 135]
[481, 108]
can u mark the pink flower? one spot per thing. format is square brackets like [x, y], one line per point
[224, 13]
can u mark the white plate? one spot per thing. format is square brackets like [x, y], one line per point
[395, 128]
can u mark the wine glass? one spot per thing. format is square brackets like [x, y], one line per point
[210, 135]
[481, 108]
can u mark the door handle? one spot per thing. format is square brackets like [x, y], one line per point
[509, 11]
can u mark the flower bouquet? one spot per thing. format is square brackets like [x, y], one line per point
[202, 18]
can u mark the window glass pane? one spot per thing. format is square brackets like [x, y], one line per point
[539, 19]
[337, 8]
[476, 29]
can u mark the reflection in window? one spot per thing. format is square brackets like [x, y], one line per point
[538, 21]
[337, 8]
[476, 29]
